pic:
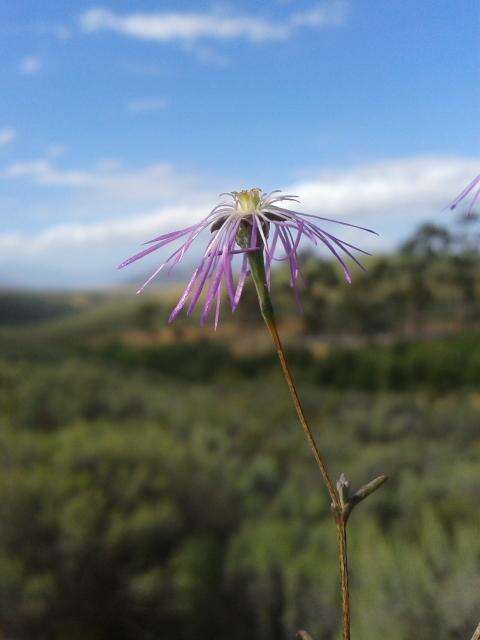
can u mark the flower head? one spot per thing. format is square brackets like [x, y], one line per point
[250, 221]
[471, 194]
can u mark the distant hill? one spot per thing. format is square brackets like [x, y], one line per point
[46, 321]
[27, 308]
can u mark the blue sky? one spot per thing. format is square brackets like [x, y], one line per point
[119, 120]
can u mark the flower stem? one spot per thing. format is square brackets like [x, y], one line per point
[258, 273]
[344, 579]
[301, 415]
[257, 267]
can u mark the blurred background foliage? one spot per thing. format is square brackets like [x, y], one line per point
[155, 483]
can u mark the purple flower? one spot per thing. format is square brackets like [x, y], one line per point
[252, 221]
[471, 191]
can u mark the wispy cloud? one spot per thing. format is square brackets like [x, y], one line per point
[147, 105]
[108, 231]
[7, 134]
[42, 172]
[191, 26]
[152, 183]
[326, 15]
[409, 186]
[164, 27]
[30, 65]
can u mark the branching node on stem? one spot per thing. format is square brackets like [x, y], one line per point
[349, 501]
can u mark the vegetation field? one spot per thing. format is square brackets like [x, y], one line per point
[154, 481]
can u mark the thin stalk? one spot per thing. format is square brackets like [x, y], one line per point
[344, 579]
[301, 415]
[257, 267]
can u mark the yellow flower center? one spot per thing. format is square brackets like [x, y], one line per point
[249, 200]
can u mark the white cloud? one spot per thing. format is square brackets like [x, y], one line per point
[43, 173]
[326, 15]
[165, 27]
[7, 134]
[30, 65]
[147, 105]
[107, 232]
[413, 186]
[148, 184]
[190, 26]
